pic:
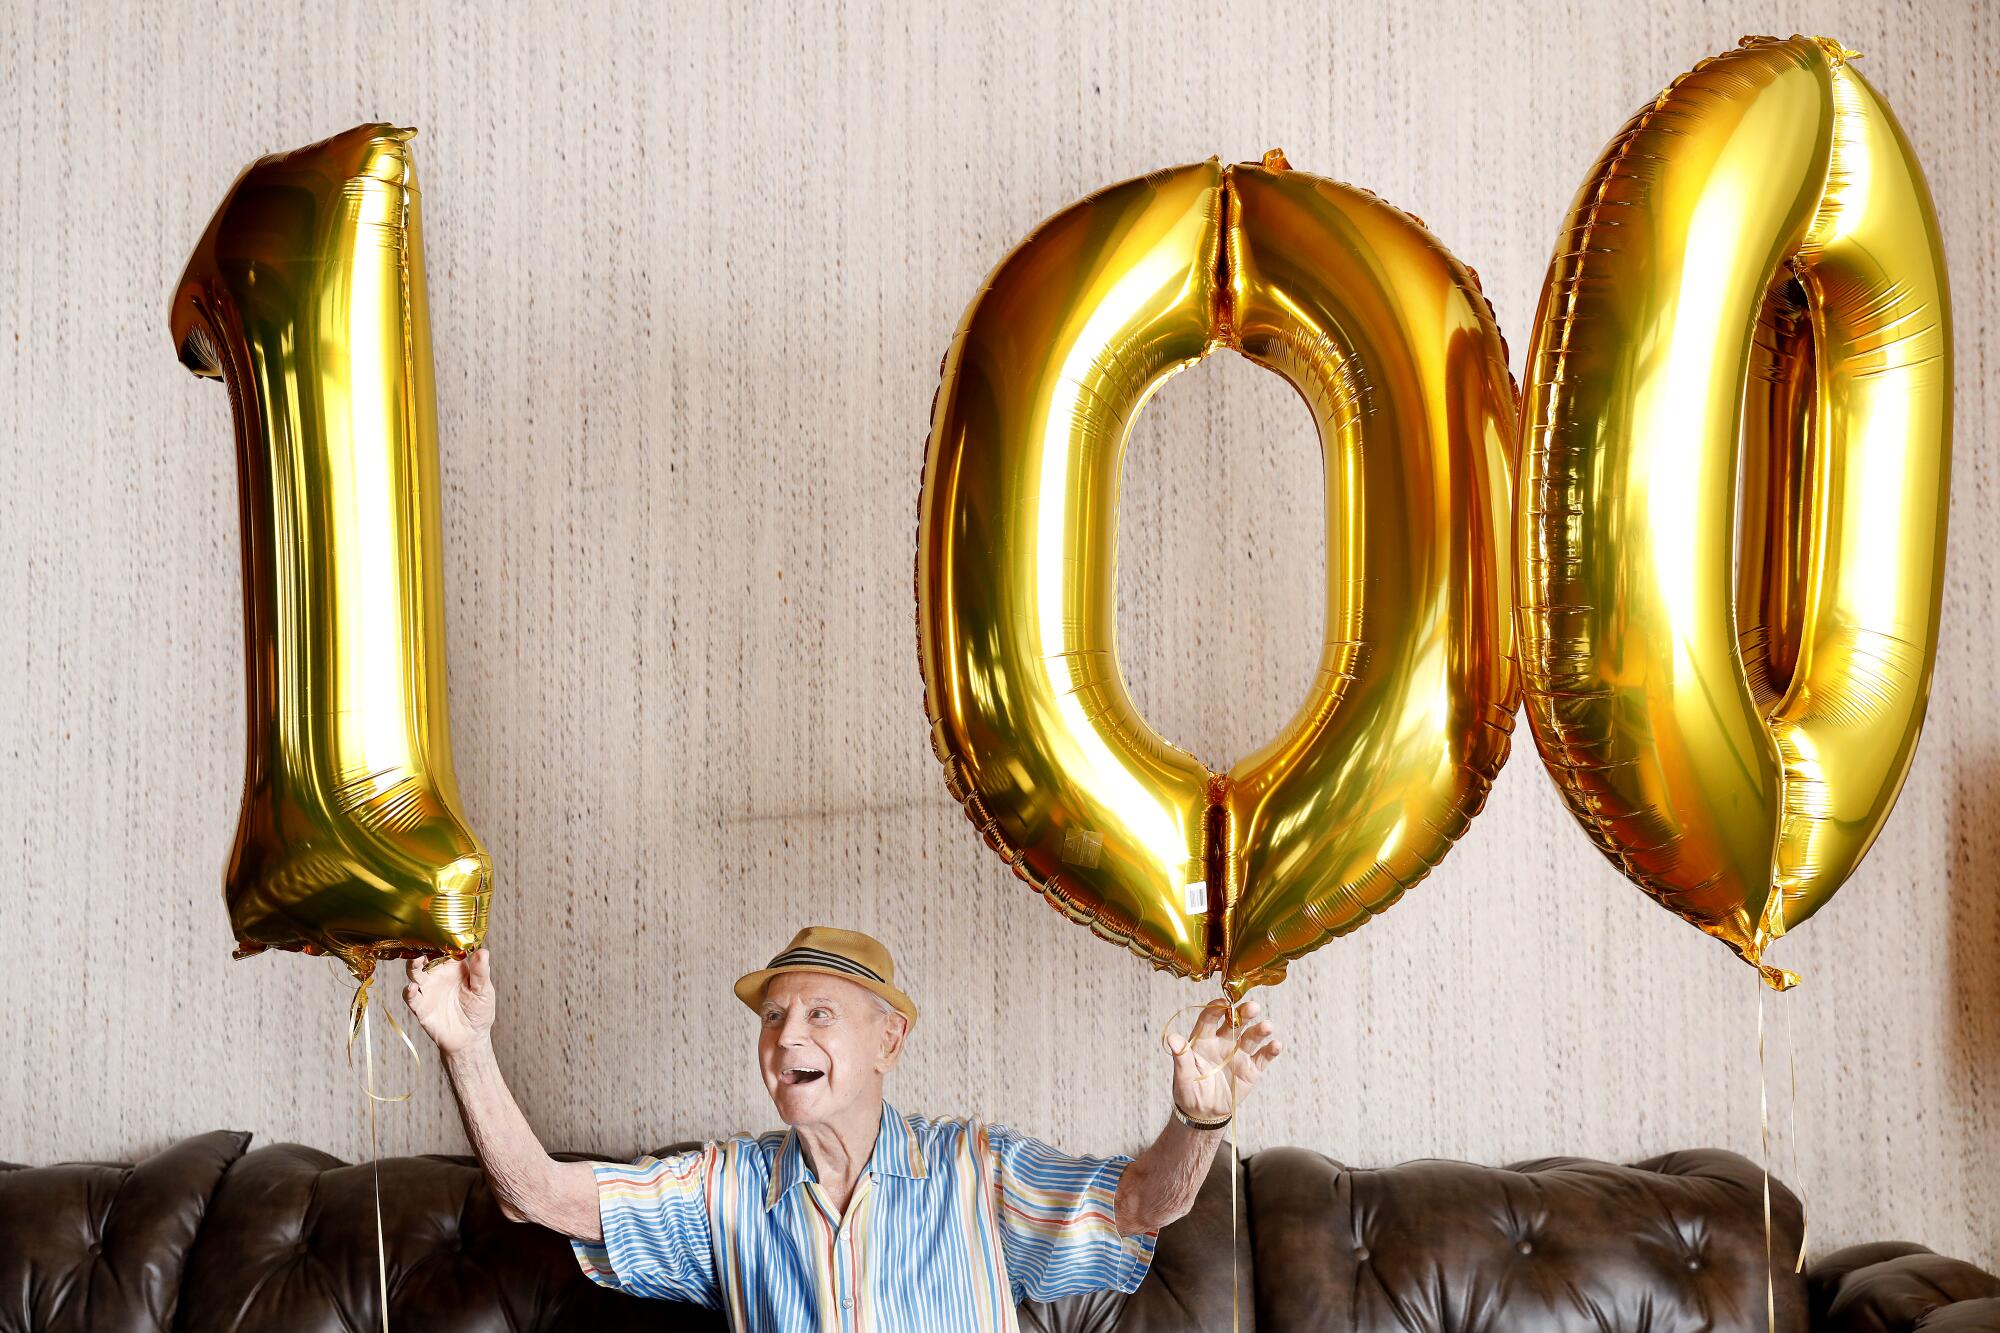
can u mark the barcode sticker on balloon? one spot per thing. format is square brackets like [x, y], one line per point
[1195, 899]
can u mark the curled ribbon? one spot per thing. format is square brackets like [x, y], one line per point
[1792, 1154]
[359, 1024]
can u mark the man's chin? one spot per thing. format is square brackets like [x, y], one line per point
[799, 1104]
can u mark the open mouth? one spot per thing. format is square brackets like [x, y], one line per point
[797, 1077]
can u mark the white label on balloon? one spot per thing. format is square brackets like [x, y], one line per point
[1195, 898]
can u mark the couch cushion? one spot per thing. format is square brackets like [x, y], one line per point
[1981, 1316]
[100, 1248]
[1671, 1245]
[1826, 1273]
[1897, 1288]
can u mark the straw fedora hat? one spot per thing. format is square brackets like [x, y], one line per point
[847, 954]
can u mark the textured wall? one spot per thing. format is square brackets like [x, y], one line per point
[691, 272]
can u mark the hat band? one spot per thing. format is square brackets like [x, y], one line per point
[821, 958]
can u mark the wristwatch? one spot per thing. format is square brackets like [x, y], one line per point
[1203, 1125]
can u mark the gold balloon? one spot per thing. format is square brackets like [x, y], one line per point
[306, 296]
[1748, 300]
[1389, 342]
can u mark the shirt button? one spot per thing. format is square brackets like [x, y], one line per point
[847, 1302]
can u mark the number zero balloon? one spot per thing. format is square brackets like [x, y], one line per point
[1728, 693]
[306, 296]
[1393, 348]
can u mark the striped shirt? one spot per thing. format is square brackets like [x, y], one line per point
[952, 1223]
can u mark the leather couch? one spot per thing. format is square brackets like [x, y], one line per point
[208, 1236]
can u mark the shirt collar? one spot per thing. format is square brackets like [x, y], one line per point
[897, 1153]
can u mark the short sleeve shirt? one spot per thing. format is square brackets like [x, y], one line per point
[951, 1224]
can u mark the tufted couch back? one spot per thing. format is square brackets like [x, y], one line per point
[1671, 1245]
[290, 1244]
[88, 1247]
[206, 1238]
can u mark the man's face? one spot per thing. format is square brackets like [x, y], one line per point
[824, 1047]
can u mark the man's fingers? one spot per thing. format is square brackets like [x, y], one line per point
[1256, 1035]
[478, 969]
[410, 968]
[1209, 1021]
[1187, 1061]
[1243, 1041]
[1250, 1055]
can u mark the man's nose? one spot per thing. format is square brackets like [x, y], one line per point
[793, 1031]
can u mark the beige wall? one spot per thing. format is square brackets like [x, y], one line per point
[691, 272]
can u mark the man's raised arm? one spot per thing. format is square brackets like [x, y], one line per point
[1214, 1069]
[454, 1001]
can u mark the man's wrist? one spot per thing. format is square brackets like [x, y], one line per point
[477, 1051]
[1200, 1124]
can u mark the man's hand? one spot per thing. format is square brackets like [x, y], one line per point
[1218, 1062]
[453, 999]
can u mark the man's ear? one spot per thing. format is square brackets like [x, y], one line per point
[895, 1027]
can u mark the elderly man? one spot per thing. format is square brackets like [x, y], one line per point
[856, 1216]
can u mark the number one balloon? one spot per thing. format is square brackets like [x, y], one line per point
[1389, 342]
[1728, 694]
[306, 296]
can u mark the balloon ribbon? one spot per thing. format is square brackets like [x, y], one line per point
[359, 1024]
[1792, 1148]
